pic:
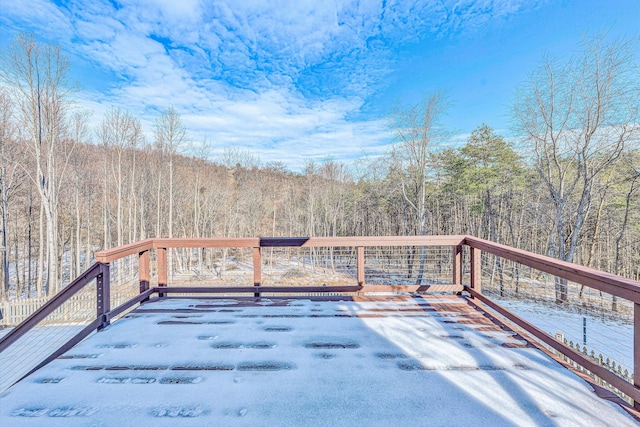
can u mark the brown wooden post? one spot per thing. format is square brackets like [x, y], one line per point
[636, 349]
[143, 270]
[360, 264]
[103, 296]
[457, 265]
[476, 269]
[161, 255]
[257, 269]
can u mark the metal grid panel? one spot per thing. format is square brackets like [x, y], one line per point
[408, 265]
[50, 334]
[309, 266]
[209, 267]
[595, 323]
[125, 281]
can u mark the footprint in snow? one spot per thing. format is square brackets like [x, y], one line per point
[29, 412]
[178, 412]
[70, 411]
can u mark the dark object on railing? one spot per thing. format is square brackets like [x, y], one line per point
[267, 242]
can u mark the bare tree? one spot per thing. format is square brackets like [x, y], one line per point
[6, 179]
[121, 133]
[578, 117]
[232, 157]
[170, 134]
[417, 128]
[37, 77]
[80, 135]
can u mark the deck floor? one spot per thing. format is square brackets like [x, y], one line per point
[432, 360]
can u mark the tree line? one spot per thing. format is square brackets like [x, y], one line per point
[566, 187]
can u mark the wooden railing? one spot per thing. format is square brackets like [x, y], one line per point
[256, 244]
[615, 285]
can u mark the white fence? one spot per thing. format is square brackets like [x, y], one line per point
[78, 308]
[611, 365]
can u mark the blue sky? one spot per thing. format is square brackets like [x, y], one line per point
[308, 80]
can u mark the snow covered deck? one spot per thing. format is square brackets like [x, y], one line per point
[431, 360]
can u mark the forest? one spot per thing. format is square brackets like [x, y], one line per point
[566, 186]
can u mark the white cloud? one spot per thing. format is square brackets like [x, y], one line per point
[280, 128]
[49, 20]
[280, 77]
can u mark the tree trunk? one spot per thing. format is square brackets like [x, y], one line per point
[40, 284]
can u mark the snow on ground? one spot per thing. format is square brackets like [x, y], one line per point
[299, 362]
[606, 336]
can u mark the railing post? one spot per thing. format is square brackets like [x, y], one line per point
[257, 269]
[457, 265]
[103, 296]
[360, 264]
[143, 270]
[476, 269]
[161, 255]
[636, 349]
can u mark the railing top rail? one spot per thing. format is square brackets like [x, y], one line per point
[113, 254]
[226, 242]
[134, 248]
[47, 308]
[613, 284]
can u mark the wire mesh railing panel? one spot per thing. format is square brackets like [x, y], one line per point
[595, 323]
[466, 265]
[408, 265]
[153, 267]
[124, 279]
[50, 334]
[309, 266]
[210, 267]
